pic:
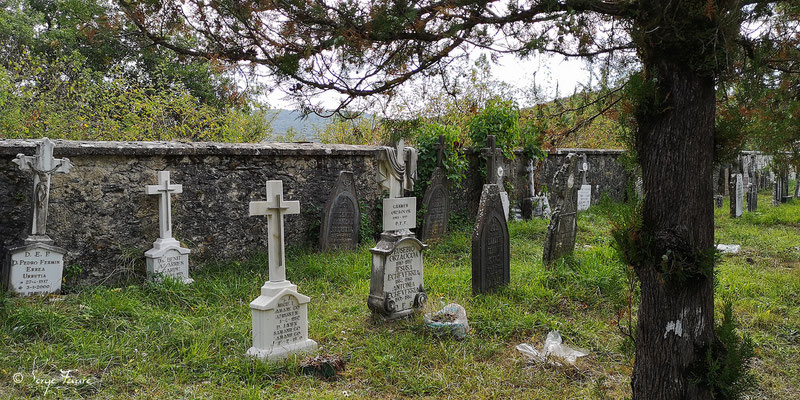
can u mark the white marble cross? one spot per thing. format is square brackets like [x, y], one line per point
[392, 171]
[42, 165]
[531, 178]
[275, 208]
[165, 189]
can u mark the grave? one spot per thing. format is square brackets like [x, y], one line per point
[718, 200]
[341, 217]
[491, 253]
[495, 171]
[536, 205]
[755, 184]
[737, 195]
[37, 266]
[280, 313]
[167, 257]
[560, 236]
[436, 201]
[397, 286]
[585, 192]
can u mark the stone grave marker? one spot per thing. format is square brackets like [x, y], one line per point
[560, 236]
[536, 205]
[585, 192]
[396, 286]
[280, 313]
[167, 257]
[785, 196]
[737, 195]
[718, 200]
[341, 217]
[37, 266]
[495, 171]
[436, 201]
[491, 255]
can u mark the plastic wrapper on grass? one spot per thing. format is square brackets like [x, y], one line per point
[729, 248]
[452, 319]
[553, 348]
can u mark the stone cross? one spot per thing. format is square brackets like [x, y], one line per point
[440, 151]
[395, 174]
[42, 165]
[584, 168]
[165, 189]
[275, 208]
[531, 178]
[493, 169]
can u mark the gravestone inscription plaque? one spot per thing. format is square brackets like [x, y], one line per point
[341, 216]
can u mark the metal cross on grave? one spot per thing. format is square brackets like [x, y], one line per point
[494, 172]
[165, 189]
[275, 208]
[42, 165]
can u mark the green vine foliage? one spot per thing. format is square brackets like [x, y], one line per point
[426, 138]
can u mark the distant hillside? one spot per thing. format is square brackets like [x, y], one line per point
[291, 119]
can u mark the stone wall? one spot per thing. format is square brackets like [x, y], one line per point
[99, 211]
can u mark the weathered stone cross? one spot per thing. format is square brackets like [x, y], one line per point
[493, 172]
[42, 165]
[165, 189]
[275, 208]
[440, 151]
[531, 178]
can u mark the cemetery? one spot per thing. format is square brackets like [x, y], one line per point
[389, 199]
[350, 292]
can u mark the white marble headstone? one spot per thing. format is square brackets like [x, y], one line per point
[167, 258]
[399, 213]
[739, 195]
[584, 197]
[35, 269]
[403, 275]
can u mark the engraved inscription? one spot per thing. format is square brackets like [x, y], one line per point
[288, 327]
[436, 218]
[172, 263]
[36, 271]
[399, 213]
[403, 275]
[494, 253]
[341, 225]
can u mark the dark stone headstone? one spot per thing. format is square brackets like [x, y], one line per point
[785, 188]
[718, 200]
[752, 195]
[491, 253]
[560, 237]
[341, 216]
[436, 201]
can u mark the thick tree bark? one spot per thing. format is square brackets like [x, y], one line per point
[676, 315]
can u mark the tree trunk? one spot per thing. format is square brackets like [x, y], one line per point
[676, 316]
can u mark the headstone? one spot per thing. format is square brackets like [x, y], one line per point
[718, 200]
[777, 187]
[167, 257]
[737, 195]
[752, 197]
[436, 201]
[397, 287]
[37, 266]
[560, 236]
[495, 171]
[491, 253]
[785, 196]
[341, 217]
[280, 313]
[536, 205]
[585, 192]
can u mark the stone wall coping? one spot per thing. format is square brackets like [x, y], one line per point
[12, 147]
[74, 148]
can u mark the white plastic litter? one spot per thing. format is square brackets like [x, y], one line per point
[552, 347]
[450, 319]
[729, 248]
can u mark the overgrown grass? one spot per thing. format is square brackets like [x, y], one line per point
[173, 341]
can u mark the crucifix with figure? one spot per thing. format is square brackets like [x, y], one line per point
[43, 166]
[280, 313]
[167, 257]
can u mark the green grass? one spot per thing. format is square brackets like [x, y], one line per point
[172, 341]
